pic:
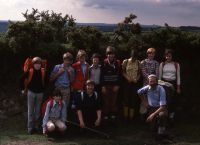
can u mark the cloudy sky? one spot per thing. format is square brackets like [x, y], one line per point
[173, 12]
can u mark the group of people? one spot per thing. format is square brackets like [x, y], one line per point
[92, 91]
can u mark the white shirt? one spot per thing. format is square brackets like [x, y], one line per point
[169, 72]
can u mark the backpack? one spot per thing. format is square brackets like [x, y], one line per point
[28, 64]
[28, 68]
[44, 105]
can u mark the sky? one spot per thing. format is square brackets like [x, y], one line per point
[148, 12]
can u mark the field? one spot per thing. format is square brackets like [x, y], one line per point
[13, 132]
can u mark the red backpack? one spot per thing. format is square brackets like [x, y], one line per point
[28, 67]
[28, 64]
[44, 105]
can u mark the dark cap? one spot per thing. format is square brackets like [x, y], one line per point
[68, 56]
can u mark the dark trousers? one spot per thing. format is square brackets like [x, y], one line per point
[171, 96]
[159, 120]
[110, 100]
[130, 97]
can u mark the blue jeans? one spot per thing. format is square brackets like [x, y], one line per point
[34, 104]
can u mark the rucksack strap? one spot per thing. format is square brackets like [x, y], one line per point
[125, 65]
[52, 101]
[43, 75]
[30, 75]
[82, 95]
[96, 95]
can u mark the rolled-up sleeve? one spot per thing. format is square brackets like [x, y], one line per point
[143, 90]
[55, 70]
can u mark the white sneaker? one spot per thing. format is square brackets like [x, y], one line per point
[105, 117]
[113, 117]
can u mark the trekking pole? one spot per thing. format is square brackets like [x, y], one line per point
[90, 129]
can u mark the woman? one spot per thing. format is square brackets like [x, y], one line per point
[169, 71]
[131, 73]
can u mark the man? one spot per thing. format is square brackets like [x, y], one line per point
[95, 71]
[149, 65]
[34, 89]
[89, 106]
[63, 75]
[110, 81]
[153, 97]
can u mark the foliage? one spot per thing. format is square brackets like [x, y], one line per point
[88, 38]
[39, 30]
[127, 35]
[49, 35]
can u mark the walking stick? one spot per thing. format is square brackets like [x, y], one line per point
[90, 129]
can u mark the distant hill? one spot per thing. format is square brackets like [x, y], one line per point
[3, 26]
[108, 27]
[190, 28]
[101, 26]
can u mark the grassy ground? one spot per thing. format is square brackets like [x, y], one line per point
[13, 132]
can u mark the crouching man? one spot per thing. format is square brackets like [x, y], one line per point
[55, 114]
[89, 106]
[153, 97]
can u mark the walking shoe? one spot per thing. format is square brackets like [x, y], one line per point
[113, 117]
[105, 118]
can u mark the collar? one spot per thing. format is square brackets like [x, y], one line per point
[59, 103]
[150, 88]
[92, 66]
[82, 63]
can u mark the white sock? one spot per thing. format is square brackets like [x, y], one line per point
[171, 115]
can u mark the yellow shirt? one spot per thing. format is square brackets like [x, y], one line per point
[131, 68]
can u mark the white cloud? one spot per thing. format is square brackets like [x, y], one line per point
[174, 12]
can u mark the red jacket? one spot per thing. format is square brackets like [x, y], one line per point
[80, 79]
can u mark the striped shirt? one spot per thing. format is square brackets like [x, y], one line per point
[149, 67]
